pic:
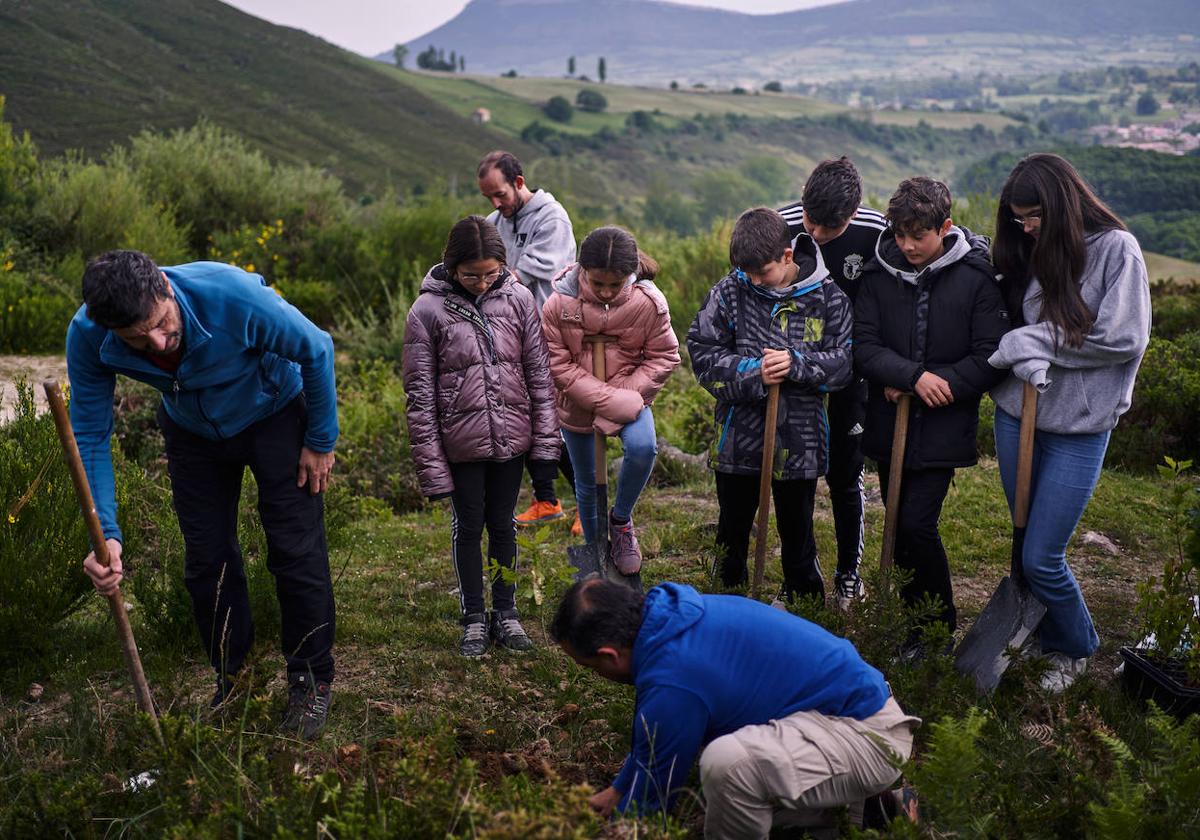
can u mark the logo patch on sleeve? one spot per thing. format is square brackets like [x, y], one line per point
[814, 329]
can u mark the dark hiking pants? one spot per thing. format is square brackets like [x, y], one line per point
[485, 493]
[206, 482]
[738, 498]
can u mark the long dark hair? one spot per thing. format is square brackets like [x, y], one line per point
[472, 238]
[1070, 211]
[614, 249]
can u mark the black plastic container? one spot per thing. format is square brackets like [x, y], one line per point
[1162, 682]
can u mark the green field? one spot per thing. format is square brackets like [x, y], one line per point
[1162, 267]
[517, 102]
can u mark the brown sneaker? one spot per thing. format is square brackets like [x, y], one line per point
[626, 555]
[539, 512]
[577, 526]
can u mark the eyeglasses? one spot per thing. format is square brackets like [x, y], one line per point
[490, 277]
[1032, 220]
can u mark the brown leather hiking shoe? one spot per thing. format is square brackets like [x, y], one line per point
[539, 512]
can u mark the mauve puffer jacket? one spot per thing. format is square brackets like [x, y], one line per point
[638, 363]
[477, 377]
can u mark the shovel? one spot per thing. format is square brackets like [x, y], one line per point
[594, 559]
[764, 486]
[895, 473]
[116, 601]
[1012, 613]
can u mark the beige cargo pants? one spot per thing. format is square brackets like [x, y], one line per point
[797, 770]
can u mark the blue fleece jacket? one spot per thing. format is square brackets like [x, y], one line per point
[247, 353]
[707, 665]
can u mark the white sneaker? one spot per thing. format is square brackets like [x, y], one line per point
[1064, 670]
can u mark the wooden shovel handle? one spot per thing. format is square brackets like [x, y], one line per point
[764, 487]
[116, 601]
[600, 372]
[1025, 456]
[895, 474]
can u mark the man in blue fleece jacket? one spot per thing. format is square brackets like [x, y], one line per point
[791, 721]
[247, 381]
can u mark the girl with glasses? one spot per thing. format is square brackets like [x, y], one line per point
[1076, 285]
[476, 373]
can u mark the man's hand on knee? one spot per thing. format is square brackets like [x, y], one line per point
[106, 579]
[605, 801]
[314, 470]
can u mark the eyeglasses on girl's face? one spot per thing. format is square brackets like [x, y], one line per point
[1027, 217]
[474, 279]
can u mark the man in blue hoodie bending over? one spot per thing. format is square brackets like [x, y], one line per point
[246, 381]
[788, 720]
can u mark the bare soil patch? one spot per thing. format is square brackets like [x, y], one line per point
[34, 370]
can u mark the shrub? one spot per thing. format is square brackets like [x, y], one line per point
[1165, 414]
[591, 100]
[559, 109]
[214, 182]
[773, 87]
[1176, 309]
[91, 208]
[42, 535]
[374, 458]
[33, 316]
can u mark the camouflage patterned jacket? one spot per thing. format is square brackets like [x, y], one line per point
[812, 318]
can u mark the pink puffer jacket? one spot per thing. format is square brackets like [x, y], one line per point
[637, 363]
[477, 378]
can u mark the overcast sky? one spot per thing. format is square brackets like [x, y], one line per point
[372, 26]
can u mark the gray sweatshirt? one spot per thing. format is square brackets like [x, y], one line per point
[539, 242]
[1083, 389]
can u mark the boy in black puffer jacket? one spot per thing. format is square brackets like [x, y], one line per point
[928, 315]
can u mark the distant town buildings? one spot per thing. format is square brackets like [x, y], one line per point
[1176, 136]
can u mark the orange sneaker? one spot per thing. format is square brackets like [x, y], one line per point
[539, 512]
[576, 526]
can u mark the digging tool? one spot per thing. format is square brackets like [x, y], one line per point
[116, 602]
[895, 473]
[1013, 612]
[765, 474]
[595, 558]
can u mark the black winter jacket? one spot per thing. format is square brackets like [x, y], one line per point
[948, 319]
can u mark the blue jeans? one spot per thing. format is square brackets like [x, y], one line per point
[1065, 471]
[641, 448]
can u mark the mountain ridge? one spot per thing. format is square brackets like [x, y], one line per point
[652, 40]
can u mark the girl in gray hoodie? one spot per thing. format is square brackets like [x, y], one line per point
[1076, 283]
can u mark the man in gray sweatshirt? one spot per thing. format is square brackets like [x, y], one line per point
[534, 226]
[539, 244]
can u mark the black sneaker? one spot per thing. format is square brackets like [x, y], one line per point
[474, 641]
[506, 630]
[308, 706]
[224, 689]
[848, 588]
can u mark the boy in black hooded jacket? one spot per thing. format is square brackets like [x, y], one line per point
[928, 315]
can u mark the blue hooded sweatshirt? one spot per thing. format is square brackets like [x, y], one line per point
[247, 353]
[707, 665]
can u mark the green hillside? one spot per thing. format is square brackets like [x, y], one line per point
[90, 74]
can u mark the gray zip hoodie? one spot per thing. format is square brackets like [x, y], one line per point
[539, 242]
[1083, 389]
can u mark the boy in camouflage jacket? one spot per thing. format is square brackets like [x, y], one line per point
[776, 318]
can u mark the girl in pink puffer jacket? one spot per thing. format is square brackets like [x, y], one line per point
[610, 292]
[477, 377]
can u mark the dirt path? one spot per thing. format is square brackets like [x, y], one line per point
[33, 369]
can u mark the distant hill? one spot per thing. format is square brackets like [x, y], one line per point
[647, 40]
[89, 73]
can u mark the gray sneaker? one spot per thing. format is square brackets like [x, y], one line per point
[625, 554]
[474, 640]
[506, 630]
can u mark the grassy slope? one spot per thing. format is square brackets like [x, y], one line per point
[399, 673]
[1162, 267]
[88, 75]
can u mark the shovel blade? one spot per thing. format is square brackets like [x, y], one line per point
[1007, 620]
[612, 573]
[587, 560]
